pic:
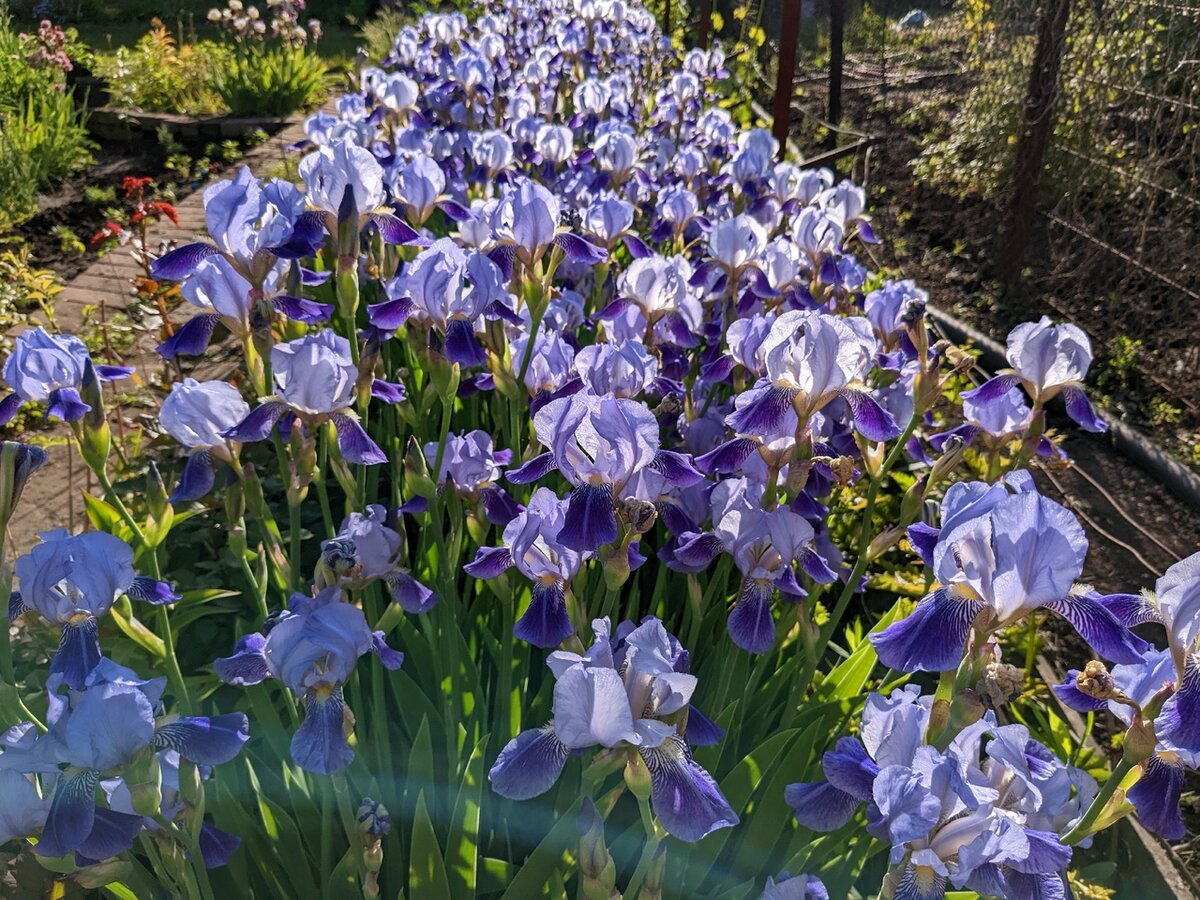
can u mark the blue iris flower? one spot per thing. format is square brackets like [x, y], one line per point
[312, 649]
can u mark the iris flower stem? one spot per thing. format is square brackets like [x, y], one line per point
[1084, 826]
[856, 574]
[654, 837]
[260, 593]
[326, 830]
[323, 484]
[174, 673]
[293, 502]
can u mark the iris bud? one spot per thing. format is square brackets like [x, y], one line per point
[637, 777]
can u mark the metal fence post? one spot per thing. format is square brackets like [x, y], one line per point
[1037, 126]
[666, 22]
[789, 37]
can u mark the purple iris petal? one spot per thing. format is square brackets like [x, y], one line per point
[16, 606]
[676, 468]
[307, 235]
[545, 623]
[311, 278]
[354, 443]
[387, 391]
[684, 797]
[394, 230]
[750, 623]
[719, 370]
[112, 834]
[72, 813]
[849, 768]
[178, 264]
[590, 522]
[111, 373]
[319, 744]
[454, 210]
[580, 251]
[462, 346]
[78, 653]
[9, 407]
[1080, 409]
[614, 309]
[1047, 854]
[1156, 798]
[1069, 695]
[763, 412]
[503, 257]
[258, 425]
[820, 806]
[866, 233]
[1100, 628]
[816, 568]
[529, 764]
[207, 740]
[391, 658]
[728, 457]
[1130, 609]
[499, 310]
[247, 665]
[702, 731]
[872, 421]
[636, 246]
[150, 590]
[489, 562]
[1179, 721]
[308, 311]
[923, 538]
[760, 286]
[538, 467]
[499, 507]
[217, 846]
[991, 391]
[694, 552]
[199, 476]
[412, 596]
[390, 314]
[192, 337]
[66, 404]
[931, 638]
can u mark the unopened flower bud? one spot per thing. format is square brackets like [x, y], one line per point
[595, 862]
[1141, 739]
[1095, 681]
[17, 463]
[374, 821]
[640, 514]
[637, 777]
[843, 469]
[999, 684]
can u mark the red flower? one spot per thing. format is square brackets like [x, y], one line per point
[110, 230]
[165, 209]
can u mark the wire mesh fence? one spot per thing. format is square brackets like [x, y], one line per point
[1072, 126]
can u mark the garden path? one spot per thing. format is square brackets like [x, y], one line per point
[52, 497]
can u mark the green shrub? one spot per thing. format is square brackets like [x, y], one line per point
[19, 80]
[160, 76]
[271, 81]
[42, 140]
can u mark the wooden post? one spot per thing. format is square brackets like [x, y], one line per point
[704, 24]
[789, 37]
[837, 30]
[666, 22]
[1037, 126]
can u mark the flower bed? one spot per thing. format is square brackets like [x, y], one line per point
[585, 518]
